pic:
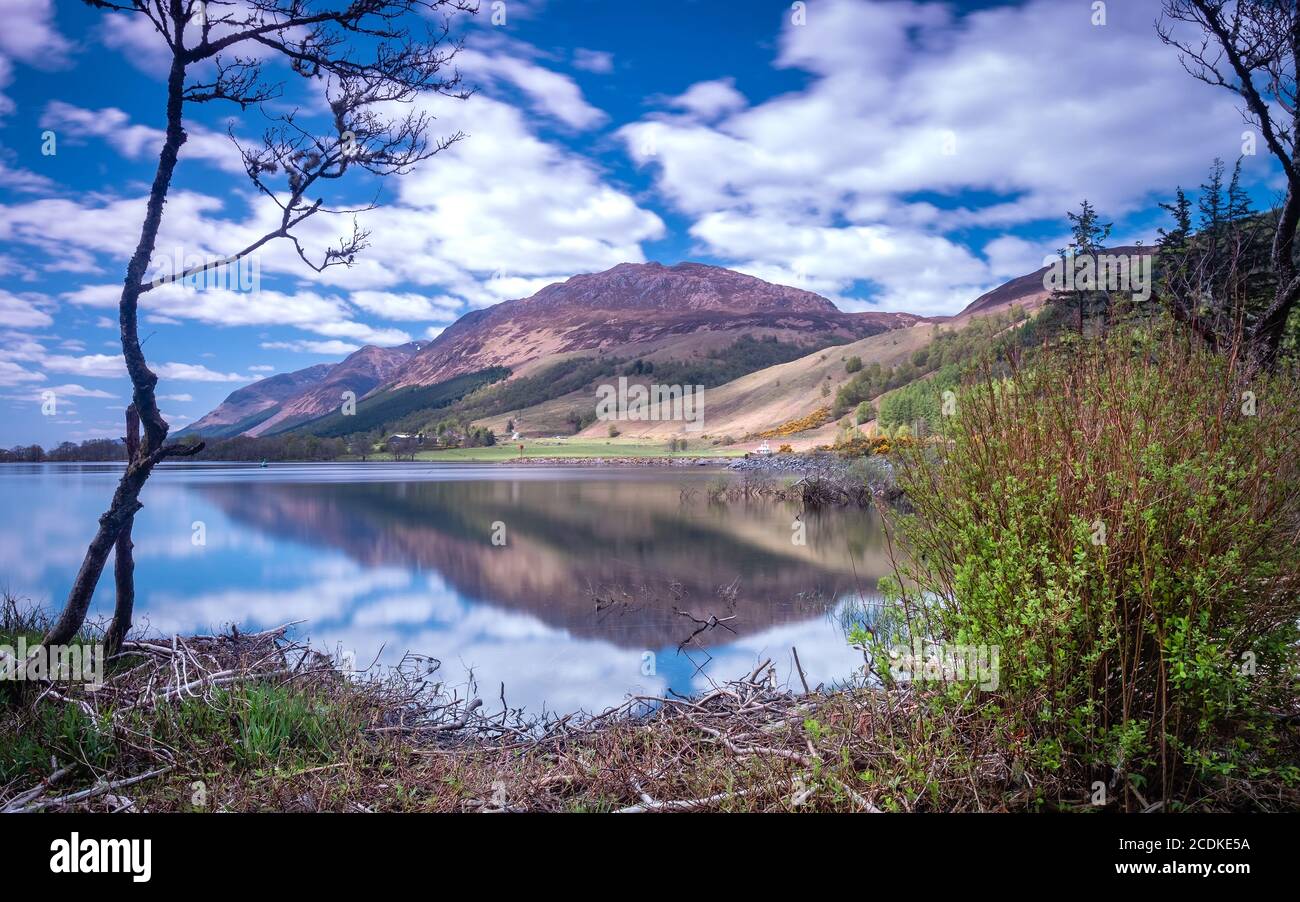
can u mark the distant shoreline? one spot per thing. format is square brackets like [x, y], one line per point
[599, 461]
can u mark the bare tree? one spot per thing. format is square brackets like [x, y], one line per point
[1251, 48]
[367, 58]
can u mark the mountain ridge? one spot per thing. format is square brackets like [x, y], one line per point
[632, 304]
[285, 400]
[651, 311]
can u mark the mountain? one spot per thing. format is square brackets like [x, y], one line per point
[279, 402]
[691, 321]
[247, 406]
[360, 372]
[796, 392]
[630, 309]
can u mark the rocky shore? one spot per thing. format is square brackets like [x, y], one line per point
[820, 465]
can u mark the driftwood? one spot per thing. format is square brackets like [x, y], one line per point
[411, 714]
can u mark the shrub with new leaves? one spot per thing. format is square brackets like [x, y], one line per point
[1122, 518]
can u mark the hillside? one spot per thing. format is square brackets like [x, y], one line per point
[248, 406]
[750, 404]
[688, 312]
[282, 401]
[360, 373]
[736, 412]
[772, 358]
[628, 308]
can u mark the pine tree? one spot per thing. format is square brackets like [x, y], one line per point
[1088, 238]
[1175, 239]
[1211, 203]
[1238, 205]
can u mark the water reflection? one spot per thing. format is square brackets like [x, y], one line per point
[578, 607]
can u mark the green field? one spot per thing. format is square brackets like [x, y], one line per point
[508, 451]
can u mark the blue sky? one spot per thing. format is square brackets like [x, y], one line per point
[888, 155]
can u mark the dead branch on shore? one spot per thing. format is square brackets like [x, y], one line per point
[812, 492]
[415, 742]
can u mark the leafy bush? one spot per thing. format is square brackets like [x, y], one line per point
[1117, 522]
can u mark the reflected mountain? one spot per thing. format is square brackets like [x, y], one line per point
[611, 557]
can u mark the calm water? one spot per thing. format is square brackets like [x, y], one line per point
[379, 559]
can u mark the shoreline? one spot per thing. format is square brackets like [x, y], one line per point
[242, 722]
[259, 722]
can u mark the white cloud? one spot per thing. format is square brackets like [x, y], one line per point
[138, 41]
[363, 333]
[505, 204]
[407, 306]
[548, 92]
[144, 48]
[15, 374]
[111, 366]
[598, 61]
[21, 181]
[496, 216]
[29, 33]
[193, 372]
[99, 366]
[6, 76]
[329, 348]
[914, 271]
[1000, 118]
[1010, 256]
[20, 313]
[70, 390]
[710, 99]
[135, 141]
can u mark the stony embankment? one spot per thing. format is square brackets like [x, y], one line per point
[825, 478]
[819, 465]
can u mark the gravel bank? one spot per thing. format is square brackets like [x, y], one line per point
[820, 465]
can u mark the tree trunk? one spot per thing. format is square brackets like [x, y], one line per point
[123, 561]
[126, 498]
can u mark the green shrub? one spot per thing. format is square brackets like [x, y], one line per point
[1113, 521]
